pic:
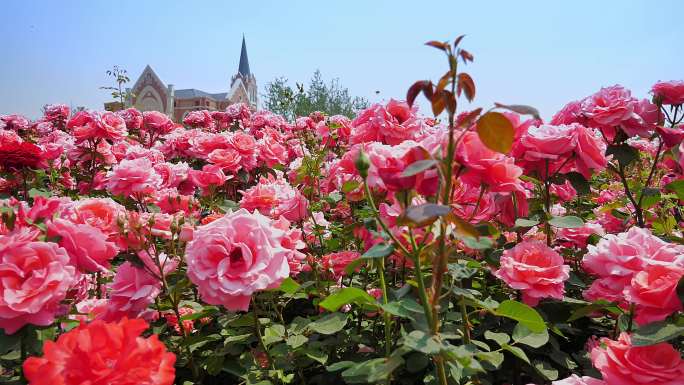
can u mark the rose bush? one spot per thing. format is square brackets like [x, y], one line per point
[474, 246]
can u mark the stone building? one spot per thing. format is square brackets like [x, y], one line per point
[151, 94]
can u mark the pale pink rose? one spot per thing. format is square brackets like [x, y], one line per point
[315, 227]
[577, 380]
[155, 123]
[610, 106]
[625, 254]
[87, 125]
[227, 158]
[132, 117]
[210, 176]
[170, 201]
[172, 174]
[654, 291]
[15, 122]
[337, 262]
[609, 289]
[88, 248]
[203, 143]
[621, 363]
[578, 236]
[153, 263]
[101, 213]
[275, 197]
[671, 136]
[469, 205]
[484, 166]
[133, 177]
[131, 292]
[57, 114]
[199, 119]
[89, 309]
[246, 145]
[235, 256]
[669, 93]
[590, 151]
[535, 269]
[34, 279]
[272, 152]
[293, 242]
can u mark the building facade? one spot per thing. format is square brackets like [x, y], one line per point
[149, 93]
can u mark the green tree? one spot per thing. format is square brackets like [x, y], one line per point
[330, 98]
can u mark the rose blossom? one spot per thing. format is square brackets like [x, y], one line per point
[671, 92]
[337, 262]
[621, 363]
[577, 380]
[535, 269]
[131, 292]
[133, 177]
[234, 256]
[275, 197]
[86, 245]
[102, 353]
[654, 291]
[34, 279]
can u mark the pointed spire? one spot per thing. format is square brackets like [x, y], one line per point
[243, 69]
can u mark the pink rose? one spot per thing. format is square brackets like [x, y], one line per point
[620, 363]
[275, 197]
[579, 236]
[235, 256]
[484, 166]
[654, 291]
[131, 292]
[535, 269]
[337, 262]
[209, 176]
[625, 254]
[156, 123]
[671, 92]
[227, 158]
[133, 177]
[86, 245]
[199, 119]
[271, 151]
[577, 380]
[132, 117]
[34, 279]
[101, 213]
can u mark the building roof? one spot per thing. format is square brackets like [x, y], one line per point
[191, 93]
[243, 68]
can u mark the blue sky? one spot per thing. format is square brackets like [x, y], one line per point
[542, 53]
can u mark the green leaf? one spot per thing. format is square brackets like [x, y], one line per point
[350, 186]
[296, 340]
[274, 334]
[422, 342]
[499, 338]
[624, 153]
[523, 335]
[524, 222]
[522, 313]
[371, 371]
[588, 309]
[406, 308]
[678, 188]
[496, 132]
[34, 192]
[289, 286]
[579, 183]
[655, 333]
[329, 324]
[649, 197]
[418, 167]
[346, 296]
[566, 222]
[545, 370]
[381, 250]
[516, 351]
[316, 355]
[422, 215]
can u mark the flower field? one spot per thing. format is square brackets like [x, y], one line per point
[452, 246]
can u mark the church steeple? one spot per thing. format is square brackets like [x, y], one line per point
[243, 68]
